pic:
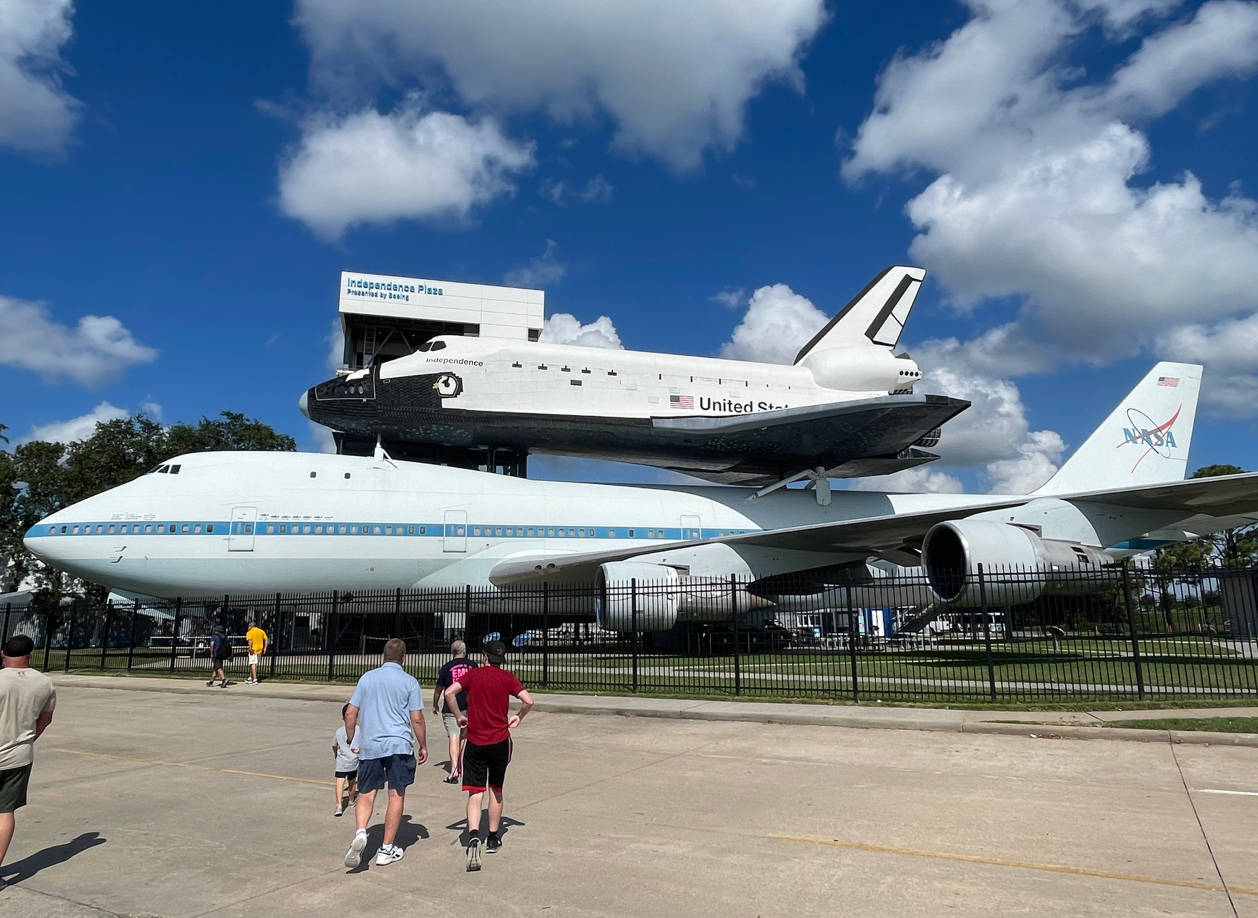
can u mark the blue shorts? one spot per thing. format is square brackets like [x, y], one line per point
[398, 770]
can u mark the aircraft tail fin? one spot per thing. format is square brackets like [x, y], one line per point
[1144, 441]
[875, 315]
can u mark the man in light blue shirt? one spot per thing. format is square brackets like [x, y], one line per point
[388, 710]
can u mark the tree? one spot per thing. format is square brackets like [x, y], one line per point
[39, 478]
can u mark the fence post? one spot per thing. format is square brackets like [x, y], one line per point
[633, 611]
[1135, 640]
[851, 642]
[104, 641]
[70, 637]
[278, 641]
[987, 634]
[4, 635]
[174, 632]
[545, 634]
[47, 639]
[738, 667]
[397, 614]
[135, 617]
[332, 632]
[467, 614]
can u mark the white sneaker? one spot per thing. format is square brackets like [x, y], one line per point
[354, 856]
[339, 811]
[388, 855]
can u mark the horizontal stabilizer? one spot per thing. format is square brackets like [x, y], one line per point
[875, 315]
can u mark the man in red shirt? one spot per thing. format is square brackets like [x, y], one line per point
[489, 721]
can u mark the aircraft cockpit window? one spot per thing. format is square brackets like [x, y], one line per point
[174, 469]
[438, 345]
[425, 347]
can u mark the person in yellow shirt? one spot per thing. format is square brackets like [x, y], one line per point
[258, 642]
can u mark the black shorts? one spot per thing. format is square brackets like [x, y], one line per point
[485, 766]
[398, 770]
[219, 662]
[13, 783]
[351, 775]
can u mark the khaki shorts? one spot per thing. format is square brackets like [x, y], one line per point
[451, 724]
[254, 659]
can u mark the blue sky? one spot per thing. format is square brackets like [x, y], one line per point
[1077, 177]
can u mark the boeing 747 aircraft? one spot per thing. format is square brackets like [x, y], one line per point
[215, 523]
[845, 409]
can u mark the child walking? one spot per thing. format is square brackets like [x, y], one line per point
[346, 765]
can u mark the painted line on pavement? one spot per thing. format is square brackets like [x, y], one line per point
[1023, 865]
[226, 771]
[1239, 793]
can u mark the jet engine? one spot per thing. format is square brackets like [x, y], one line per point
[663, 594]
[1018, 565]
[653, 590]
[867, 368]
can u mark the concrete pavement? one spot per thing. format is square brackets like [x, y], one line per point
[205, 802]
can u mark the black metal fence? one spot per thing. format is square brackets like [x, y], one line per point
[1068, 635]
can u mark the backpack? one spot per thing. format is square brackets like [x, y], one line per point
[223, 649]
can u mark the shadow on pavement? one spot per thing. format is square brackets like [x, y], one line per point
[32, 864]
[408, 833]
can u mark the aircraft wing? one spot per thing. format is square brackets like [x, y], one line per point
[869, 535]
[1224, 495]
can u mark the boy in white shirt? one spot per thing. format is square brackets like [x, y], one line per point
[346, 765]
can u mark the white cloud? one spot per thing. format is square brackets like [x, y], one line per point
[336, 346]
[1230, 349]
[563, 328]
[994, 433]
[36, 113]
[79, 428]
[732, 298]
[1035, 195]
[543, 271]
[322, 437]
[778, 322]
[152, 409]
[98, 348]
[922, 479]
[675, 78]
[366, 167]
[1220, 41]
[596, 191]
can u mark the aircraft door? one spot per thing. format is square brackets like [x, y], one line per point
[240, 536]
[691, 528]
[456, 531]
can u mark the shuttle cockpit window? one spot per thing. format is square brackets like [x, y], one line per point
[160, 470]
[431, 346]
[174, 469]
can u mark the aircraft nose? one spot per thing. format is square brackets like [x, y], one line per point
[302, 404]
[40, 538]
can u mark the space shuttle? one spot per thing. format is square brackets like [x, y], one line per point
[845, 408]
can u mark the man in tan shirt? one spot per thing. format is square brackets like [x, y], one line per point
[27, 699]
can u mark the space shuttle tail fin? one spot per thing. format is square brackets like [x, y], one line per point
[1143, 442]
[876, 315]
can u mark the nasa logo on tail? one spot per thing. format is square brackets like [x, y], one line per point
[448, 385]
[1156, 438]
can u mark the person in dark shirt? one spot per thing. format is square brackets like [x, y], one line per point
[450, 674]
[489, 722]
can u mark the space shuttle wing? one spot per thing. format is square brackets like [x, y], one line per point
[883, 428]
[868, 535]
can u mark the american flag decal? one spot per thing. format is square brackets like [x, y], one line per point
[681, 402]
[1170, 382]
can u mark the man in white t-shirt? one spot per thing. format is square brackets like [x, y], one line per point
[27, 700]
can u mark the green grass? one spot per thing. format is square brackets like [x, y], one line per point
[1213, 724]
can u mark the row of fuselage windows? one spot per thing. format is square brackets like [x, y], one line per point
[516, 532]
